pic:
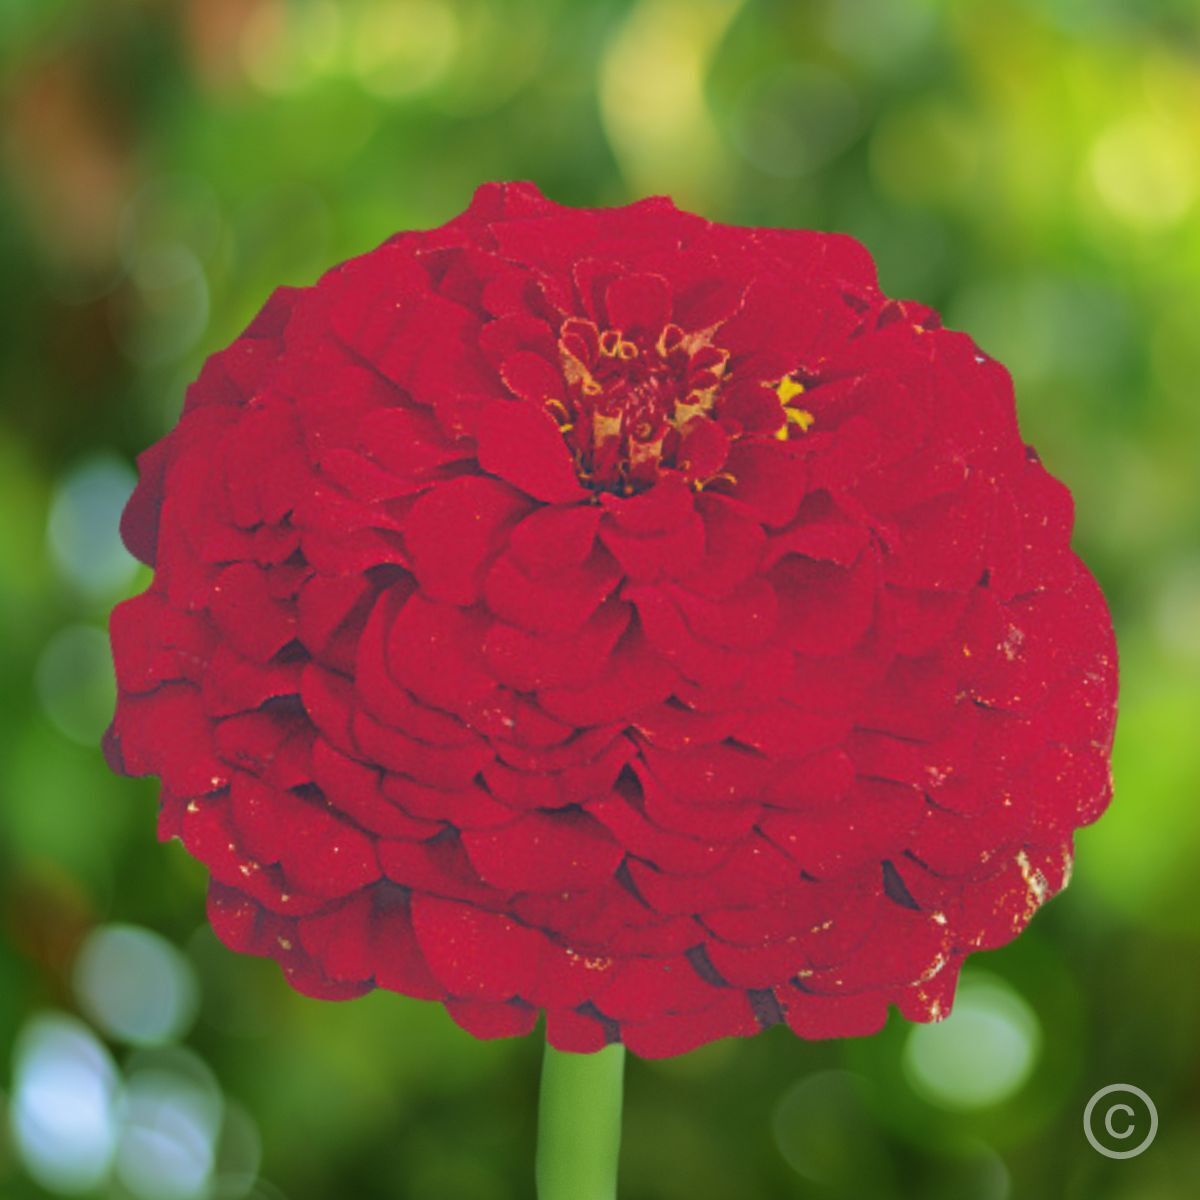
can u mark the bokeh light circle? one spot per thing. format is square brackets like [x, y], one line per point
[82, 528]
[170, 210]
[238, 1156]
[400, 49]
[792, 121]
[74, 682]
[826, 1134]
[64, 1104]
[168, 308]
[171, 1122]
[135, 985]
[981, 1054]
[1144, 171]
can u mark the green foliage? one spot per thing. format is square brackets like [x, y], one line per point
[1032, 169]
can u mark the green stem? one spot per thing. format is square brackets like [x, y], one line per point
[579, 1124]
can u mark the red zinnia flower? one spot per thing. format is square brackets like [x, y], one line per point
[618, 614]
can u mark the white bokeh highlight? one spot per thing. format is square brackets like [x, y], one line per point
[135, 986]
[982, 1054]
[171, 1123]
[83, 525]
[65, 1104]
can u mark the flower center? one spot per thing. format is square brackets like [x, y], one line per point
[630, 399]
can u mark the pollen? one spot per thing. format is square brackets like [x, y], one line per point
[1037, 888]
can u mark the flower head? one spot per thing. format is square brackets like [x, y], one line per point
[618, 614]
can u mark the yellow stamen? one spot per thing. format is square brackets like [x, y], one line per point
[560, 412]
[701, 484]
[788, 389]
[669, 340]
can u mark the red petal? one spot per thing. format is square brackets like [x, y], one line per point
[408, 442]
[675, 1033]
[744, 619]
[324, 603]
[555, 604]
[825, 609]
[719, 823]
[635, 677]
[671, 852]
[154, 643]
[453, 531]
[476, 954]
[318, 853]
[528, 662]
[531, 378]
[831, 540]
[640, 988]
[517, 332]
[659, 509]
[167, 733]
[733, 547]
[720, 774]
[760, 966]
[872, 820]
[669, 555]
[327, 700]
[574, 1032]
[384, 698]
[571, 978]
[638, 303]
[239, 922]
[551, 539]
[449, 767]
[695, 659]
[434, 650]
[486, 1020]
[749, 875]
[995, 910]
[1046, 514]
[704, 449]
[464, 808]
[573, 786]
[520, 443]
[439, 867]
[941, 543]
[254, 625]
[818, 1017]
[354, 790]
[139, 520]
[814, 782]
[397, 960]
[563, 851]
[339, 939]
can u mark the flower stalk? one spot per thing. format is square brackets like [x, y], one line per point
[579, 1124]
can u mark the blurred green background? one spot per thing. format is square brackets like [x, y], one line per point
[1031, 167]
